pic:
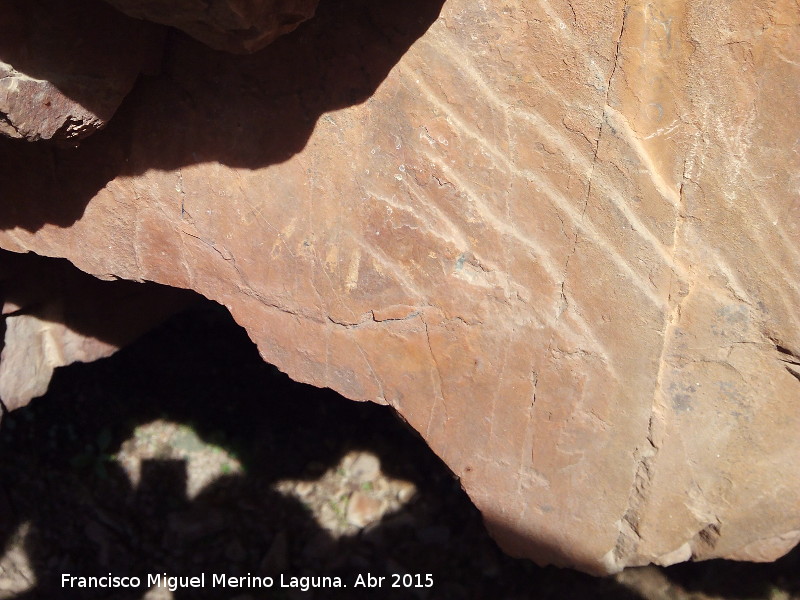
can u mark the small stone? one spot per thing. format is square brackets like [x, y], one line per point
[365, 467]
[406, 491]
[304, 489]
[158, 593]
[363, 509]
[99, 535]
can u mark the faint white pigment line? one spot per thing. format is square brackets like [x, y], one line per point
[455, 237]
[553, 271]
[495, 398]
[391, 265]
[620, 122]
[439, 399]
[575, 215]
[571, 151]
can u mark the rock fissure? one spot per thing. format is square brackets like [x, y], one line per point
[369, 318]
[5, 118]
[439, 399]
[590, 175]
[790, 359]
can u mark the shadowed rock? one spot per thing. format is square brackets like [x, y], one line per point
[241, 26]
[65, 66]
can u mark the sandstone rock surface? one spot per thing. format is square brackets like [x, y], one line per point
[241, 26]
[561, 239]
[66, 66]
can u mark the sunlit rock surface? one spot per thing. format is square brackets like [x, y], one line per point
[562, 240]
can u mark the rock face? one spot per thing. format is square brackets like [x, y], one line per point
[65, 66]
[560, 238]
[54, 315]
[241, 26]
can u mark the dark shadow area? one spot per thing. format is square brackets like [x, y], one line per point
[68, 505]
[116, 312]
[82, 515]
[208, 106]
[728, 579]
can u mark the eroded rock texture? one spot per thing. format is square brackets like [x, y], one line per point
[233, 25]
[65, 66]
[560, 238]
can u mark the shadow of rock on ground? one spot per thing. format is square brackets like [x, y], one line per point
[73, 509]
[728, 579]
[208, 106]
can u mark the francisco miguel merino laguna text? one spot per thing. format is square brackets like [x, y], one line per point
[173, 583]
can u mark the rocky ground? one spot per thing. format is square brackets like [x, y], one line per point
[186, 454]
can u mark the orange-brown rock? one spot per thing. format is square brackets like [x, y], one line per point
[66, 66]
[240, 26]
[560, 238]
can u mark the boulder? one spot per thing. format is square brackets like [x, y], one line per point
[65, 66]
[559, 238]
[240, 26]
